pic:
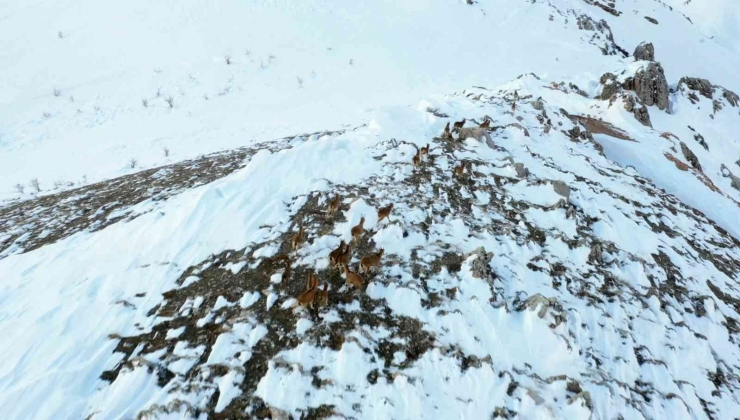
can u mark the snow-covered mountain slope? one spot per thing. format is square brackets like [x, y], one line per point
[545, 281]
[85, 84]
[582, 262]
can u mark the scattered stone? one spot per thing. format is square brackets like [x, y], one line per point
[596, 256]
[480, 268]
[651, 20]
[538, 104]
[700, 139]
[561, 188]
[734, 180]
[521, 170]
[638, 110]
[690, 156]
[610, 86]
[645, 51]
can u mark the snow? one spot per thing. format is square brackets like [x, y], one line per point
[64, 303]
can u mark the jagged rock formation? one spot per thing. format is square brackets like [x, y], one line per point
[650, 85]
[707, 89]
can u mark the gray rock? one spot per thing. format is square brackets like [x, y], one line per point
[690, 156]
[521, 170]
[651, 86]
[638, 110]
[731, 97]
[480, 267]
[586, 23]
[734, 180]
[610, 86]
[596, 256]
[703, 86]
[700, 139]
[476, 133]
[561, 188]
[644, 51]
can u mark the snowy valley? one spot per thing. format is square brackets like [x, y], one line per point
[571, 250]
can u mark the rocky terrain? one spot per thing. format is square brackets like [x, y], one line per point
[572, 250]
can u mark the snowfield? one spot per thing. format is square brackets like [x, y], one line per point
[584, 264]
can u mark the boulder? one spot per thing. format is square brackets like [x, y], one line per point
[610, 86]
[521, 170]
[561, 188]
[645, 51]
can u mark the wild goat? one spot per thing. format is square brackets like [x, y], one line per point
[298, 238]
[322, 299]
[370, 261]
[335, 254]
[306, 298]
[358, 230]
[384, 212]
[352, 278]
[333, 205]
[458, 125]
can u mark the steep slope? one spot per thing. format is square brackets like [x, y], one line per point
[545, 281]
[581, 262]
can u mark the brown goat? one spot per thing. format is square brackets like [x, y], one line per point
[322, 299]
[384, 212]
[335, 254]
[306, 298]
[333, 205]
[352, 278]
[372, 260]
[358, 230]
[298, 238]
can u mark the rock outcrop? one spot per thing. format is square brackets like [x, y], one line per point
[645, 51]
[650, 85]
[707, 89]
[635, 107]
[690, 156]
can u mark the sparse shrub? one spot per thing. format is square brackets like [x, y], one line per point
[20, 188]
[57, 184]
[145, 102]
[132, 163]
[262, 65]
[205, 97]
[47, 115]
[270, 58]
[60, 35]
[36, 185]
[170, 101]
[71, 98]
[57, 92]
[351, 62]
[166, 151]
[300, 83]
[159, 92]
[227, 60]
[247, 52]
